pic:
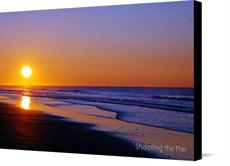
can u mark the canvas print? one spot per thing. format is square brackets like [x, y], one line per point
[112, 80]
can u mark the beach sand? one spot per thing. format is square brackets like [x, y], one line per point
[33, 130]
[46, 130]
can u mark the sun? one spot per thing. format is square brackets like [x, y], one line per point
[26, 71]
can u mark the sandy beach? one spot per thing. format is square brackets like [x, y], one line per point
[33, 130]
[152, 140]
[51, 129]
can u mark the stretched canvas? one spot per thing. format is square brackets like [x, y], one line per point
[120, 80]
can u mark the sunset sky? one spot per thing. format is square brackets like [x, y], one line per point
[132, 45]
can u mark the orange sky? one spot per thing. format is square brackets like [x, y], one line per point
[99, 47]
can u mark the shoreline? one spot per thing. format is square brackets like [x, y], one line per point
[34, 130]
[130, 134]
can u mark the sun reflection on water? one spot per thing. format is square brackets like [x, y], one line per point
[25, 102]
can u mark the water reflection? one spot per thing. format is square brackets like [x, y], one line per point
[25, 102]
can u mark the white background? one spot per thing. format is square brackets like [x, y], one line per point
[216, 91]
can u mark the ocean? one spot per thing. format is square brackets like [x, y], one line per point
[171, 108]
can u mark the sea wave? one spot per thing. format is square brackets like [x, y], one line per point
[186, 98]
[175, 99]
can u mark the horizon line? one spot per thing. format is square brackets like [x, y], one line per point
[109, 86]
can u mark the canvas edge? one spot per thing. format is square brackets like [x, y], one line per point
[197, 80]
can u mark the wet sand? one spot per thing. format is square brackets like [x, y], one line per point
[33, 130]
[46, 130]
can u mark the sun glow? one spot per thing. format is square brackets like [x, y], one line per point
[25, 102]
[26, 71]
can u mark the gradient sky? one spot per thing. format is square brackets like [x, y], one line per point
[131, 45]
